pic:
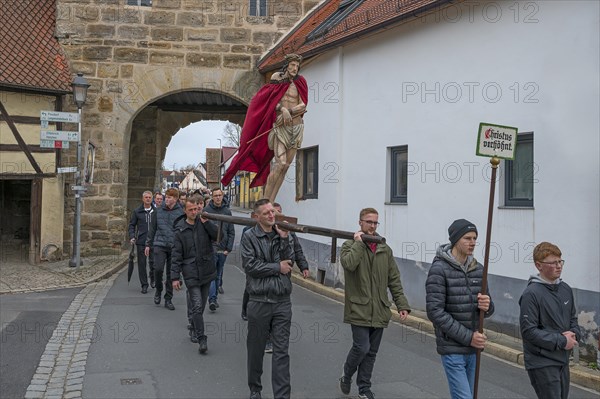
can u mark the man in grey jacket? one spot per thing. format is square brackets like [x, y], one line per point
[160, 240]
[548, 325]
[267, 260]
[454, 299]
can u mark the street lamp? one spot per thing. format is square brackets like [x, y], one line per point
[80, 87]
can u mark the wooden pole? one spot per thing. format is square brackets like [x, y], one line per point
[495, 162]
[297, 228]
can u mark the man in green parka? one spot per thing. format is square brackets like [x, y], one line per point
[369, 271]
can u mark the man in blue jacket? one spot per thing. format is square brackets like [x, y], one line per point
[222, 248]
[549, 326]
[138, 230]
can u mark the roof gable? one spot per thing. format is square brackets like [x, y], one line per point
[335, 22]
[31, 56]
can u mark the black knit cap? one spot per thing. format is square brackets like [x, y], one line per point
[459, 228]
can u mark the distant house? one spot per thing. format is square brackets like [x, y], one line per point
[34, 77]
[397, 90]
[193, 180]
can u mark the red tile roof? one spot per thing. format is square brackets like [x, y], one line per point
[31, 56]
[227, 153]
[368, 17]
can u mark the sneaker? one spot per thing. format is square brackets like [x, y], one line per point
[157, 299]
[345, 385]
[221, 290]
[169, 305]
[255, 395]
[212, 306]
[217, 304]
[366, 395]
[194, 338]
[202, 344]
[269, 347]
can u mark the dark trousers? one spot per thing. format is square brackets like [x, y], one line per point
[550, 382]
[365, 344]
[198, 296]
[276, 318]
[141, 258]
[245, 300]
[162, 256]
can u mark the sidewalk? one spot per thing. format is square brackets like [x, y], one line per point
[18, 277]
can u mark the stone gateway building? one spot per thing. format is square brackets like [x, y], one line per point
[154, 67]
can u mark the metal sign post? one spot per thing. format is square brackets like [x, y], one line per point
[495, 141]
[76, 259]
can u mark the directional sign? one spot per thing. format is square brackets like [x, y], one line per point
[54, 144]
[67, 169]
[59, 135]
[78, 188]
[55, 116]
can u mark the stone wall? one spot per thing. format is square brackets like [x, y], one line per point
[134, 55]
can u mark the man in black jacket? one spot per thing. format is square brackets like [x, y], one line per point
[548, 325]
[222, 248]
[454, 299]
[193, 256]
[138, 230]
[267, 260]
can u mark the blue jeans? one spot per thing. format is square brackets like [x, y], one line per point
[216, 283]
[460, 372]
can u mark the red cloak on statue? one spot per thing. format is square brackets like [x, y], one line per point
[256, 155]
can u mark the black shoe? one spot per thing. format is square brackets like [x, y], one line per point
[269, 347]
[144, 290]
[221, 290]
[202, 344]
[157, 299]
[169, 304]
[345, 385]
[244, 316]
[152, 284]
[366, 395]
[193, 337]
[255, 395]
[212, 306]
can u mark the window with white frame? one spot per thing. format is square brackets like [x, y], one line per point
[258, 8]
[398, 177]
[520, 174]
[307, 173]
[145, 3]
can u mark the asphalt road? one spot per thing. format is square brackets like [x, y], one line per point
[28, 321]
[143, 351]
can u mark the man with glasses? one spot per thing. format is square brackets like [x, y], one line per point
[549, 326]
[454, 301]
[369, 272]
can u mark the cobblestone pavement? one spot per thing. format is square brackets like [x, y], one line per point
[16, 275]
[62, 366]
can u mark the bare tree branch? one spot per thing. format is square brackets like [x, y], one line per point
[231, 133]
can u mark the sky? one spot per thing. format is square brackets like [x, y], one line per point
[188, 145]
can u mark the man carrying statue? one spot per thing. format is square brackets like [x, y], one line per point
[273, 129]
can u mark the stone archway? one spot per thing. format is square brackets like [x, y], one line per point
[153, 128]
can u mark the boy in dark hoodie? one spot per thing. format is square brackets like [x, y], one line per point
[549, 326]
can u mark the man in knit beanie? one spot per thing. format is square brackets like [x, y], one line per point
[454, 299]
